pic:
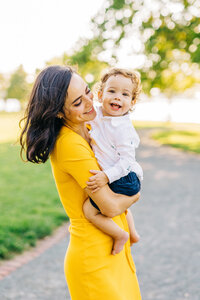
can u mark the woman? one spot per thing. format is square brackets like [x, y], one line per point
[59, 107]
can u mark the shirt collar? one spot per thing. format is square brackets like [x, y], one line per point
[115, 121]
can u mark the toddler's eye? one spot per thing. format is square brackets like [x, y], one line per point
[125, 94]
[111, 91]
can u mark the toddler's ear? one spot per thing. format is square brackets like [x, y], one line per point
[100, 96]
[133, 102]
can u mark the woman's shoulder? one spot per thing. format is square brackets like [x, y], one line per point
[73, 154]
[69, 141]
[67, 135]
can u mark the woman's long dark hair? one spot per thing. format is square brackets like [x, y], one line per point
[42, 124]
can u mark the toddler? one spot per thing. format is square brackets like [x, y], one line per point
[113, 140]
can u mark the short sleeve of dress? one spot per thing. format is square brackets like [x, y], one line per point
[76, 158]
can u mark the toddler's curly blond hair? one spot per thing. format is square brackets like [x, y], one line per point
[133, 75]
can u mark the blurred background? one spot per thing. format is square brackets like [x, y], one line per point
[159, 38]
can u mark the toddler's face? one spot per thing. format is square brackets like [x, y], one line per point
[116, 96]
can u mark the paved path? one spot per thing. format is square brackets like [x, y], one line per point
[40, 279]
[167, 218]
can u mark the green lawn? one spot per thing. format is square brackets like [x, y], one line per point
[185, 140]
[29, 207]
[9, 126]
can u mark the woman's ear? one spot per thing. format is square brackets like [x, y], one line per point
[100, 96]
[60, 115]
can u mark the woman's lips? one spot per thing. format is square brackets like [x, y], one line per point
[90, 111]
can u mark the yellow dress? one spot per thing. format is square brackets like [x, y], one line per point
[92, 273]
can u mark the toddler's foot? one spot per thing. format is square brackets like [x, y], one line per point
[134, 238]
[120, 242]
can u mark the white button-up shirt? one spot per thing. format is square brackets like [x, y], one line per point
[113, 140]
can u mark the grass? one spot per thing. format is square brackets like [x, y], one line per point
[167, 125]
[178, 135]
[9, 126]
[185, 140]
[30, 207]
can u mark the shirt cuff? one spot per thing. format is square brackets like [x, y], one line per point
[112, 174]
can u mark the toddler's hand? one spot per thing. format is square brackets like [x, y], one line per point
[97, 181]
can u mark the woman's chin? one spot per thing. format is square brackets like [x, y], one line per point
[91, 115]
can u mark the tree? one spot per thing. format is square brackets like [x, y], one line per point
[162, 36]
[88, 65]
[173, 47]
[18, 87]
[87, 62]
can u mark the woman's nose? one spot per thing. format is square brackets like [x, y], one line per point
[89, 99]
[90, 96]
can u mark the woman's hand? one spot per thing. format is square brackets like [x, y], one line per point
[97, 181]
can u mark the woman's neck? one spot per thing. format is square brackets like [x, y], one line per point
[81, 129]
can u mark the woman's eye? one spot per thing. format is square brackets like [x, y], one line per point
[88, 91]
[77, 104]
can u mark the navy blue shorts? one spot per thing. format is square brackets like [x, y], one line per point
[128, 185]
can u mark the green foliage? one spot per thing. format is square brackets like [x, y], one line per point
[175, 49]
[87, 63]
[30, 207]
[84, 60]
[117, 4]
[18, 87]
[170, 35]
[86, 53]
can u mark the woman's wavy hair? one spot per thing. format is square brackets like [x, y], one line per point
[42, 124]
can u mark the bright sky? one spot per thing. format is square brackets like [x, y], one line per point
[33, 31]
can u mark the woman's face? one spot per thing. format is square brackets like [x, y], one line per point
[78, 106]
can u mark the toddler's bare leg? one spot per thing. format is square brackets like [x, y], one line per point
[134, 236]
[107, 225]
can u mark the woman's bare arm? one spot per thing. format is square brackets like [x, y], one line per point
[110, 203]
